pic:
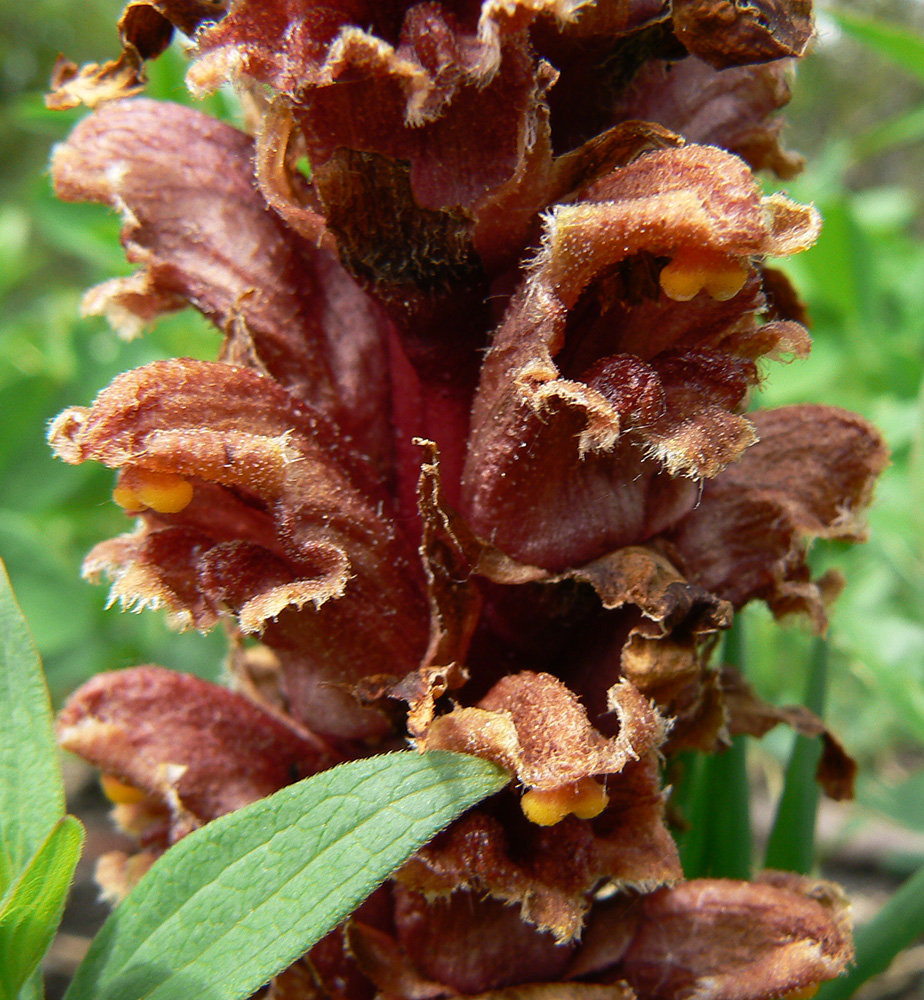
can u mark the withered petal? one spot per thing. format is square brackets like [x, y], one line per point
[220, 750]
[94, 84]
[747, 713]
[810, 476]
[738, 940]
[145, 30]
[198, 226]
[565, 437]
[660, 642]
[733, 34]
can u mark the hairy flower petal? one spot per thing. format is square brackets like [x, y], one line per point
[304, 523]
[221, 750]
[737, 940]
[533, 725]
[558, 425]
[811, 475]
[199, 228]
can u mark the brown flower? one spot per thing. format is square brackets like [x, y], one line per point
[474, 461]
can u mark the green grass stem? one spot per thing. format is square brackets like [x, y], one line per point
[791, 846]
[718, 842]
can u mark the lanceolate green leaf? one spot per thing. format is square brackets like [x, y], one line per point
[31, 909]
[237, 901]
[31, 793]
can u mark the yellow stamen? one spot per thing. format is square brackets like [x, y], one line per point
[119, 792]
[585, 798]
[163, 492]
[127, 499]
[804, 994]
[691, 271]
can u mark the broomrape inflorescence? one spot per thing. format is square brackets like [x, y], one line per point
[473, 463]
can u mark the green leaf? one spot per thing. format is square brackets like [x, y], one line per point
[31, 909]
[896, 926]
[902, 46]
[791, 846]
[239, 900]
[31, 792]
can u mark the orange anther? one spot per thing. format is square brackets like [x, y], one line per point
[804, 994]
[140, 489]
[584, 798]
[119, 792]
[693, 270]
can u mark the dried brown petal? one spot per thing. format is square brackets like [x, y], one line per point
[145, 30]
[811, 475]
[555, 423]
[201, 748]
[94, 84]
[661, 648]
[283, 514]
[727, 33]
[203, 235]
[533, 725]
[738, 941]
[747, 713]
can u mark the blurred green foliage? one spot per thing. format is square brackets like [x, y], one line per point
[50, 357]
[864, 284]
[858, 114]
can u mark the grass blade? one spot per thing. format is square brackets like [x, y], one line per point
[901, 46]
[791, 846]
[239, 900]
[901, 130]
[718, 842]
